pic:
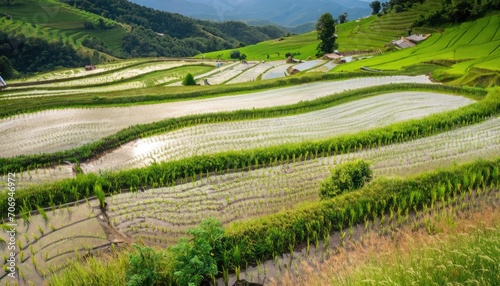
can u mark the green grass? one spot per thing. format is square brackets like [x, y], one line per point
[371, 33]
[474, 44]
[304, 44]
[467, 258]
[51, 20]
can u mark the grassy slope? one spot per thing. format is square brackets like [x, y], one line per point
[370, 33]
[469, 45]
[52, 20]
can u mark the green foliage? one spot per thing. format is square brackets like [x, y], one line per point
[101, 196]
[456, 12]
[345, 177]
[342, 18]
[469, 45]
[194, 259]
[6, 69]
[235, 54]
[168, 172]
[325, 28]
[30, 55]
[375, 5]
[144, 267]
[160, 33]
[188, 80]
[97, 270]
[273, 234]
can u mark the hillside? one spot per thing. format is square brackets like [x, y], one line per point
[371, 33]
[282, 12]
[461, 51]
[97, 31]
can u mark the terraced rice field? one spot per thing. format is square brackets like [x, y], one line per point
[47, 241]
[77, 72]
[230, 73]
[53, 20]
[457, 43]
[115, 76]
[223, 68]
[161, 216]
[129, 79]
[56, 130]
[276, 72]
[253, 73]
[212, 138]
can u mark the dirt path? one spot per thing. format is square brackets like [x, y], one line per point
[56, 130]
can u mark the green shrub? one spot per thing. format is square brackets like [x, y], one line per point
[101, 196]
[346, 177]
[144, 267]
[189, 80]
[194, 260]
[235, 54]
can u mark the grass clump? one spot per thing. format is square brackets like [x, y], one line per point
[346, 177]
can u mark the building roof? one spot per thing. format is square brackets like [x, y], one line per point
[417, 38]
[333, 56]
[403, 43]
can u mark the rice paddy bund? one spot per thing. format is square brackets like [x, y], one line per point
[62, 129]
[289, 133]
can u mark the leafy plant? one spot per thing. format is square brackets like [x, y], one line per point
[189, 80]
[346, 177]
[144, 267]
[194, 259]
[101, 196]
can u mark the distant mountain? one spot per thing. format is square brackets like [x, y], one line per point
[288, 13]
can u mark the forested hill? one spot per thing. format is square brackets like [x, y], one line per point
[71, 33]
[178, 26]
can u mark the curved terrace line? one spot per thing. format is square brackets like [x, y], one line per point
[69, 128]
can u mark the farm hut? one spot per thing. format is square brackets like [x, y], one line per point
[333, 56]
[291, 60]
[89, 67]
[417, 38]
[403, 43]
[2, 82]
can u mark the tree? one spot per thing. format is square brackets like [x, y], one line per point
[326, 33]
[6, 69]
[189, 80]
[342, 18]
[376, 6]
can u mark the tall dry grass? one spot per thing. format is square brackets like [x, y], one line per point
[465, 250]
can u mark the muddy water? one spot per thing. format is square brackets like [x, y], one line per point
[58, 130]
[350, 117]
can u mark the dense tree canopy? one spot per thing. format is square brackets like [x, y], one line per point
[376, 6]
[456, 11]
[326, 33]
[342, 18]
[30, 55]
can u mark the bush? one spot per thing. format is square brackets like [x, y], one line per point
[144, 267]
[235, 54]
[189, 80]
[194, 260]
[346, 177]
